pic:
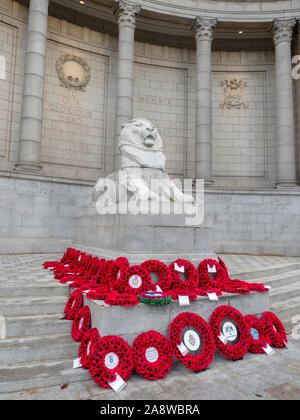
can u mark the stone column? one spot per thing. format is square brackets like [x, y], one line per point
[286, 150]
[204, 36]
[126, 16]
[33, 90]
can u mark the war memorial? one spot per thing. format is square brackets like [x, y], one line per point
[150, 199]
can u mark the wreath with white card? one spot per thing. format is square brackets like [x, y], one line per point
[184, 275]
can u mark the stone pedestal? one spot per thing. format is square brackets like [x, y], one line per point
[163, 237]
[128, 322]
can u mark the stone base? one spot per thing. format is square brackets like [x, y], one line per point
[129, 322]
[163, 237]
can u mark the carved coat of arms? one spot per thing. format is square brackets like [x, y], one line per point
[234, 94]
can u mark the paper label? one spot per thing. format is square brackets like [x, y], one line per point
[69, 282]
[62, 317]
[183, 349]
[222, 338]
[268, 349]
[211, 269]
[151, 354]
[111, 360]
[76, 363]
[191, 340]
[135, 281]
[213, 297]
[268, 287]
[177, 268]
[158, 289]
[184, 300]
[118, 384]
[286, 344]
[86, 291]
[229, 331]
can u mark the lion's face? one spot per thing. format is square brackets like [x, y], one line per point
[141, 132]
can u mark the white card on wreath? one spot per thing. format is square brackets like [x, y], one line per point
[211, 269]
[213, 297]
[223, 338]
[177, 268]
[184, 300]
[158, 289]
[268, 350]
[76, 363]
[183, 349]
[118, 384]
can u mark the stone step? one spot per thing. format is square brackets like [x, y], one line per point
[279, 280]
[32, 305]
[265, 271]
[286, 309]
[37, 348]
[23, 376]
[24, 326]
[35, 290]
[285, 292]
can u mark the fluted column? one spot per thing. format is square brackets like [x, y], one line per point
[204, 36]
[126, 15]
[286, 150]
[33, 90]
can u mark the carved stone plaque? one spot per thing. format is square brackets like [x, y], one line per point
[233, 94]
[73, 72]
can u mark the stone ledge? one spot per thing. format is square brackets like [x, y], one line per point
[129, 322]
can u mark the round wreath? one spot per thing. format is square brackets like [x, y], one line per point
[159, 267]
[122, 299]
[258, 336]
[202, 291]
[190, 271]
[229, 323]
[81, 323]
[116, 269]
[135, 280]
[175, 293]
[154, 298]
[152, 355]
[74, 304]
[97, 294]
[86, 346]
[110, 355]
[275, 329]
[194, 333]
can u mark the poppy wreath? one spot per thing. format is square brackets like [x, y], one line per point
[175, 293]
[135, 280]
[160, 268]
[95, 294]
[81, 323]
[110, 355]
[115, 271]
[155, 298]
[85, 349]
[191, 274]
[51, 265]
[121, 299]
[195, 334]
[275, 329]
[152, 355]
[74, 304]
[204, 278]
[229, 322]
[201, 291]
[259, 337]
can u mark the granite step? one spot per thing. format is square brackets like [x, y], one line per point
[267, 271]
[37, 348]
[32, 305]
[286, 309]
[35, 290]
[24, 325]
[283, 293]
[279, 280]
[19, 377]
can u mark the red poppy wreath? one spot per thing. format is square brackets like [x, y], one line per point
[86, 346]
[275, 329]
[184, 275]
[152, 355]
[135, 280]
[111, 355]
[259, 338]
[122, 299]
[192, 341]
[115, 271]
[74, 304]
[231, 332]
[81, 323]
[159, 268]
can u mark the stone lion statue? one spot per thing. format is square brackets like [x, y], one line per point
[142, 161]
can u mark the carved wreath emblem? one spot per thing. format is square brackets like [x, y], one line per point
[73, 71]
[234, 94]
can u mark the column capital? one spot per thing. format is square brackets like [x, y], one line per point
[283, 30]
[126, 12]
[204, 29]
